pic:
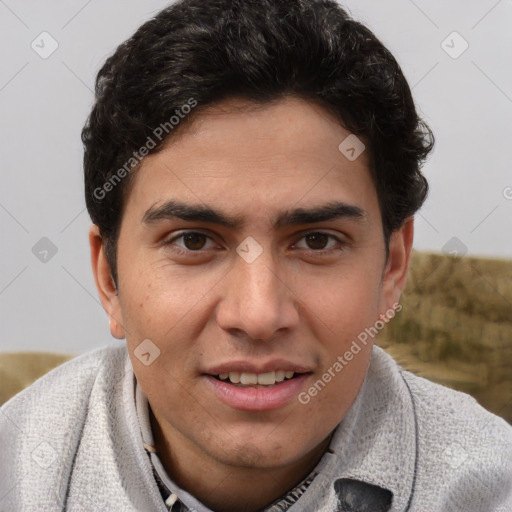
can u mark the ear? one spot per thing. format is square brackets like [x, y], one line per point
[104, 283]
[397, 266]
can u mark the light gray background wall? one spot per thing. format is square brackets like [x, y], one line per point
[48, 301]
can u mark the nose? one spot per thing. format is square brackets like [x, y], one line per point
[257, 301]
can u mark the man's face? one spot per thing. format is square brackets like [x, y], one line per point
[274, 288]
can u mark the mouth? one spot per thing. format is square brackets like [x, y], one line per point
[250, 391]
[256, 380]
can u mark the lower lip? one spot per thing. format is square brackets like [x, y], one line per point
[258, 399]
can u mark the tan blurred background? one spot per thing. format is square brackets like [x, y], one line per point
[455, 327]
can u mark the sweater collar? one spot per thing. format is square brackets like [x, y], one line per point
[376, 442]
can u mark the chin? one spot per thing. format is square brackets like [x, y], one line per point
[266, 449]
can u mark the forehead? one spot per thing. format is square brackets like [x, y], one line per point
[238, 155]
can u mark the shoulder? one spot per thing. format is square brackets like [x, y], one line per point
[68, 382]
[41, 427]
[462, 447]
[56, 404]
[441, 413]
[444, 411]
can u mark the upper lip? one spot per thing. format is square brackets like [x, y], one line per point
[252, 367]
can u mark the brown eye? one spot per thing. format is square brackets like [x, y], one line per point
[194, 241]
[192, 246]
[319, 243]
[317, 240]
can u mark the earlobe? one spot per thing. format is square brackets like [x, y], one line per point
[107, 290]
[397, 267]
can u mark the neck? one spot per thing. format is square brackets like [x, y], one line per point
[228, 488]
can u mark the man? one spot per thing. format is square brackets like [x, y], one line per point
[252, 172]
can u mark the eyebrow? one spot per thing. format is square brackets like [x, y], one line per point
[172, 209]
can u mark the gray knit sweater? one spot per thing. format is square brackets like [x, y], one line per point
[74, 441]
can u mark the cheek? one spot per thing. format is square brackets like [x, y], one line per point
[345, 350]
[169, 309]
[158, 297]
[343, 302]
[341, 313]
[327, 400]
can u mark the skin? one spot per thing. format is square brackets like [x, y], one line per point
[209, 306]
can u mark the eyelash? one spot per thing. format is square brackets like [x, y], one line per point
[188, 252]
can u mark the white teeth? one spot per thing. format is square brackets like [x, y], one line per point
[267, 378]
[234, 377]
[248, 378]
[263, 379]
